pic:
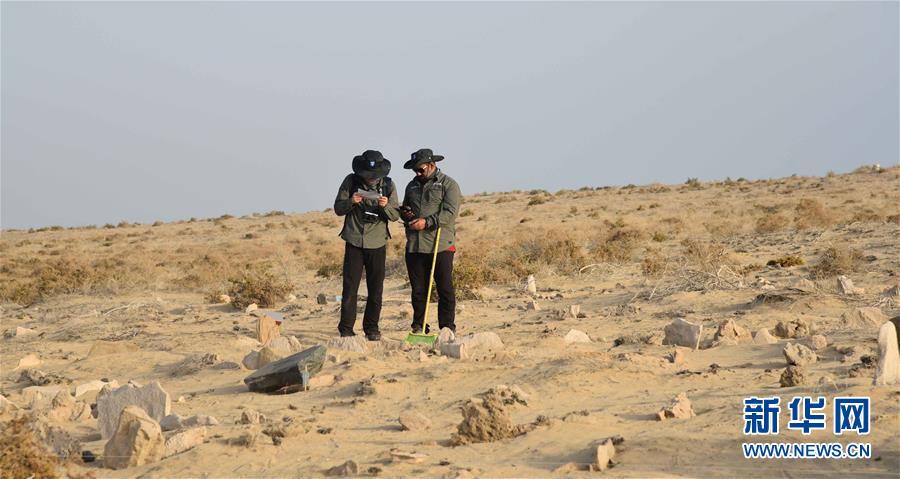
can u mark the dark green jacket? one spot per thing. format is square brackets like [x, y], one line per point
[437, 200]
[356, 230]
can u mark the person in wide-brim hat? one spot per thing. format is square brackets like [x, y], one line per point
[421, 157]
[371, 165]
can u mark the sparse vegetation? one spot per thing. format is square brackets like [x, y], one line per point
[257, 285]
[836, 260]
[786, 261]
[810, 213]
[21, 454]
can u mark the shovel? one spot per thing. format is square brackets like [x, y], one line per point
[422, 337]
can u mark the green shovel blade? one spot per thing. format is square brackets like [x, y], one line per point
[417, 338]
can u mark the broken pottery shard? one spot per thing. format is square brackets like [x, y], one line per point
[266, 329]
[576, 336]
[683, 333]
[354, 344]
[887, 370]
[153, 399]
[292, 371]
[679, 408]
[798, 355]
[138, 440]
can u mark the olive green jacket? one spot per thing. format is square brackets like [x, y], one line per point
[357, 231]
[437, 200]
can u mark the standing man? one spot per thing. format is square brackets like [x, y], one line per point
[431, 201]
[367, 199]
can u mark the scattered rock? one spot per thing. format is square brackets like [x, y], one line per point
[887, 370]
[40, 378]
[683, 333]
[24, 332]
[730, 330]
[679, 408]
[407, 456]
[865, 367]
[446, 335]
[532, 305]
[29, 361]
[764, 337]
[152, 399]
[574, 311]
[348, 468]
[845, 286]
[137, 440]
[677, 357]
[531, 285]
[251, 308]
[251, 416]
[486, 419]
[892, 293]
[817, 342]
[224, 299]
[289, 374]
[266, 356]
[185, 440]
[413, 420]
[321, 298]
[57, 440]
[576, 336]
[795, 328]
[793, 376]
[455, 350]
[803, 285]
[354, 344]
[7, 406]
[171, 422]
[863, 318]
[798, 355]
[246, 439]
[477, 342]
[251, 360]
[605, 452]
[94, 385]
[200, 420]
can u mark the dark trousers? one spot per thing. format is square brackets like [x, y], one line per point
[355, 259]
[418, 265]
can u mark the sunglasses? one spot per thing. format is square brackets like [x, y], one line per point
[419, 170]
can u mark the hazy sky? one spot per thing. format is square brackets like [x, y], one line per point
[146, 111]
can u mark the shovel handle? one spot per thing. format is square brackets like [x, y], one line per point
[437, 241]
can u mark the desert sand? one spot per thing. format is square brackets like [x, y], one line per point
[632, 259]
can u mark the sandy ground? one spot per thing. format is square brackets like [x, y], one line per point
[588, 391]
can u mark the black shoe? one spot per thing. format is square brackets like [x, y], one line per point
[347, 335]
[418, 330]
[373, 336]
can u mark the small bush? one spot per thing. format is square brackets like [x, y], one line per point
[619, 243]
[330, 267]
[257, 285]
[693, 183]
[536, 200]
[771, 223]
[653, 264]
[786, 261]
[812, 213]
[837, 260]
[659, 237]
[22, 454]
[466, 212]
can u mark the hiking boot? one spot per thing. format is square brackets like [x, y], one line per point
[373, 336]
[418, 330]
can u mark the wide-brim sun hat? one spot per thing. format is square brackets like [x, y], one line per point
[371, 165]
[425, 155]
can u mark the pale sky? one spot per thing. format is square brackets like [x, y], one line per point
[165, 111]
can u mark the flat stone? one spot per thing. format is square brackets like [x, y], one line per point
[137, 440]
[354, 344]
[185, 440]
[576, 336]
[153, 399]
[764, 337]
[251, 360]
[413, 420]
[29, 361]
[887, 369]
[683, 333]
[845, 286]
[679, 408]
[455, 350]
[266, 329]
[92, 386]
[409, 457]
[797, 354]
[605, 452]
[251, 308]
[293, 371]
[817, 342]
[24, 332]
[346, 469]
[863, 318]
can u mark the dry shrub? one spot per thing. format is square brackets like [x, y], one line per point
[466, 212]
[619, 244]
[786, 261]
[654, 263]
[257, 285]
[330, 266]
[659, 237]
[21, 454]
[836, 260]
[867, 215]
[536, 200]
[812, 213]
[770, 223]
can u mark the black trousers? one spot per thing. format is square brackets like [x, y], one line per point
[355, 259]
[418, 265]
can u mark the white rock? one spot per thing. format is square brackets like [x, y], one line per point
[224, 299]
[531, 284]
[36, 394]
[798, 355]
[355, 344]
[763, 336]
[681, 332]
[251, 308]
[136, 441]
[29, 361]
[184, 441]
[576, 336]
[887, 370]
[845, 286]
[679, 408]
[153, 399]
[24, 332]
[481, 341]
[817, 342]
[605, 452]
[573, 311]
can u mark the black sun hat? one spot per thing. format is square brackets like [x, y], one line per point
[371, 165]
[424, 155]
